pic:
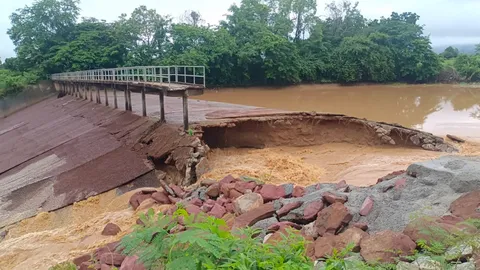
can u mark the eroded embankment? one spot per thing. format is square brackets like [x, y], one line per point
[307, 129]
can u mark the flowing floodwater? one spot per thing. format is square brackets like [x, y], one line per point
[439, 109]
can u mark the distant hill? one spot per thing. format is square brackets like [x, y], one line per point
[463, 48]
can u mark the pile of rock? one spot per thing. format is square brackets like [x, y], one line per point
[376, 220]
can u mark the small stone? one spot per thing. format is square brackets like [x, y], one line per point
[213, 190]
[459, 252]
[427, 263]
[282, 225]
[341, 184]
[251, 217]
[146, 204]
[81, 259]
[137, 199]
[271, 192]
[247, 202]
[208, 182]
[112, 258]
[108, 248]
[298, 192]
[234, 194]
[218, 211]
[465, 266]
[361, 226]
[161, 198]
[230, 207]
[177, 190]
[207, 207]
[309, 230]
[386, 246]
[225, 189]
[312, 210]
[278, 236]
[288, 207]
[264, 224]
[192, 209]
[288, 190]
[111, 229]
[132, 263]
[332, 219]
[367, 206]
[222, 201]
[167, 188]
[265, 239]
[197, 202]
[227, 179]
[242, 186]
[333, 198]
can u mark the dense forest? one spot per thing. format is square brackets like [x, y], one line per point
[260, 42]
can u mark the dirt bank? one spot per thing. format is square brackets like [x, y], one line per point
[260, 128]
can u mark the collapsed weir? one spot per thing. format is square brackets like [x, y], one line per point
[183, 159]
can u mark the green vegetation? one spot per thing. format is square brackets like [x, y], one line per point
[208, 244]
[466, 66]
[64, 266]
[260, 42]
[12, 82]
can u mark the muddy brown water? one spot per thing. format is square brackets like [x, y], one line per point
[439, 109]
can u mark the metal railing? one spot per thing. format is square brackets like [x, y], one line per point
[194, 75]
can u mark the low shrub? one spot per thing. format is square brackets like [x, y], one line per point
[13, 82]
[208, 244]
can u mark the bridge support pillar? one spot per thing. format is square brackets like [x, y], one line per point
[125, 92]
[76, 89]
[99, 100]
[106, 95]
[161, 97]
[144, 102]
[115, 103]
[129, 100]
[90, 92]
[185, 110]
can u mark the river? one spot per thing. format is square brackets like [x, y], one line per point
[439, 109]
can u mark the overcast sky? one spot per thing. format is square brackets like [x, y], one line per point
[448, 22]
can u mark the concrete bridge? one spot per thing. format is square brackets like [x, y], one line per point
[172, 81]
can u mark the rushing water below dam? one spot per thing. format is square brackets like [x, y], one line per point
[439, 109]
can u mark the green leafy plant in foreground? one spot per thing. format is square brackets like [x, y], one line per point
[64, 266]
[208, 244]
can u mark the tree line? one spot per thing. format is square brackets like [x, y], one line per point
[260, 42]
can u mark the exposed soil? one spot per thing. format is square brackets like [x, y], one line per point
[306, 129]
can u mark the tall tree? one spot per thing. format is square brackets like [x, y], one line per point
[94, 45]
[144, 35]
[38, 29]
[450, 52]
[344, 20]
